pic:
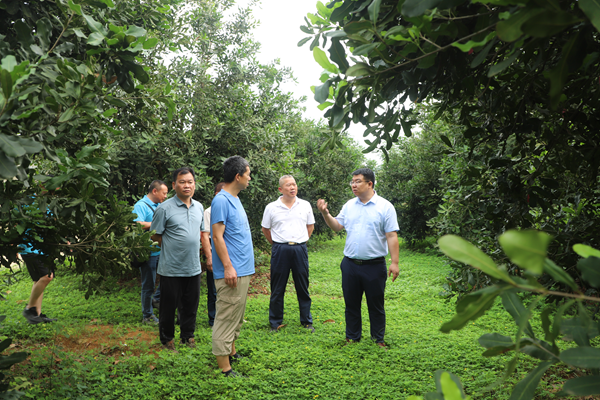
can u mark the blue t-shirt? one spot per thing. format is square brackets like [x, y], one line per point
[180, 229]
[145, 210]
[229, 210]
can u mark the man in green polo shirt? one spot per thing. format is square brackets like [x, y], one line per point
[178, 222]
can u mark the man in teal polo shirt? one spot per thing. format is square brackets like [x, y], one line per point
[145, 209]
[178, 222]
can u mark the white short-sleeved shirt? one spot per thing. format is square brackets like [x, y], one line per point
[206, 220]
[366, 226]
[288, 224]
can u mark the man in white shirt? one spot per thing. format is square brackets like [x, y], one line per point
[287, 224]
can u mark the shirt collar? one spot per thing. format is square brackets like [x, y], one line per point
[280, 203]
[181, 203]
[147, 200]
[373, 199]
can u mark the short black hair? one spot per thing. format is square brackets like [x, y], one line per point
[183, 171]
[219, 186]
[156, 184]
[367, 173]
[233, 166]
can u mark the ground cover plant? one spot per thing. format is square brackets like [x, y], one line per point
[99, 348]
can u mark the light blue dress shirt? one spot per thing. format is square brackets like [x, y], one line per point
[366, 226]
[180, 229]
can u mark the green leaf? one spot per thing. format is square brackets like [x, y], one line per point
[30, 145]
[86, 151]
[357, 26]
[416, 8]
[466, 47]
[586, 251]
[95, 39]
[359, 69]
[459, 249]
[75, 7]
[116, 102]
[341, 12]
[67, 115]
[323, 106]
[525, 389]
[11, 147]
[591, 8]
[9, 63]
[445, 140]
[322, 92]
[374, 10]
[471, 307]
[490, 340]
[6, 82]
[590, 270]
[135, 31]
[321, 58]
[44, 32]
[337, 115]
[138, 71]
[338, 55]
[450, 389]
[501, 66]
[150, 43]
[24, 34]
[526, 248]
[8, 169]
[94, 25]
[513, 305]
[510, 29]
[582, 386]
[109, 112]
[558, 74]
[548, 23]
[582, 357]
[364, 49]
[303, 41]
[559, 274]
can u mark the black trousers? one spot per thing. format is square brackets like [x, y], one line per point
[285, 257]
[370, 280]
[182, 291]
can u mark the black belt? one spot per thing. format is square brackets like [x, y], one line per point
[377, 260]
[290, 243]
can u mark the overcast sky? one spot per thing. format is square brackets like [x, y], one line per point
[278, 33]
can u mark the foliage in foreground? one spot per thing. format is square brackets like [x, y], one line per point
[6, 361]
[528, 250]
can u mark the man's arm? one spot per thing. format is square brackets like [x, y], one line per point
[205, 240]
[145, 225]
[392, 241]
[267, 233]
[329, 220]
[218, 230]
[157, 238]
[310, 228]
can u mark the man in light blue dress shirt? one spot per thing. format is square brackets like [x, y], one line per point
[371, 225]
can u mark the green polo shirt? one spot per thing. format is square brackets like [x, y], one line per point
[180, 228]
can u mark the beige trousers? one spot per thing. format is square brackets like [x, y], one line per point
[231, 305]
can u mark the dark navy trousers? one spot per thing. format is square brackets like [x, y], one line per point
[368, 279]
[211, 298]
[285, 257]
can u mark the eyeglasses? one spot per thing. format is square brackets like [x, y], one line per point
[356, 182]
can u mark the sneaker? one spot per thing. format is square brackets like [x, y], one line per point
[151, 320]
[45, 318]
[32, 316]
[235, 358]
[232, 374]
[189, 342]
[156, 304]
[170, 345]
[310, 328]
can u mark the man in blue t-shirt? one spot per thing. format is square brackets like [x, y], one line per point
[233, 261]
[145, 208]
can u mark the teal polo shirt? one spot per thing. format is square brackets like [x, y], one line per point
[180, 228]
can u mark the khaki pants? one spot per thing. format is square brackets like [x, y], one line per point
[231, 305]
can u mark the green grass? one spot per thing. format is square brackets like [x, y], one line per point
[290, 364]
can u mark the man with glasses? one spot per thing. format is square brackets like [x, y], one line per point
[371, 225]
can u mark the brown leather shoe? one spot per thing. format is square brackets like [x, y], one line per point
[382, 345]
[170, 346]
[189, 342]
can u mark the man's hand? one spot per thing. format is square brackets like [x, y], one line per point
[231, 277]
[209, 264]
[394, 271]
[322, 206]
